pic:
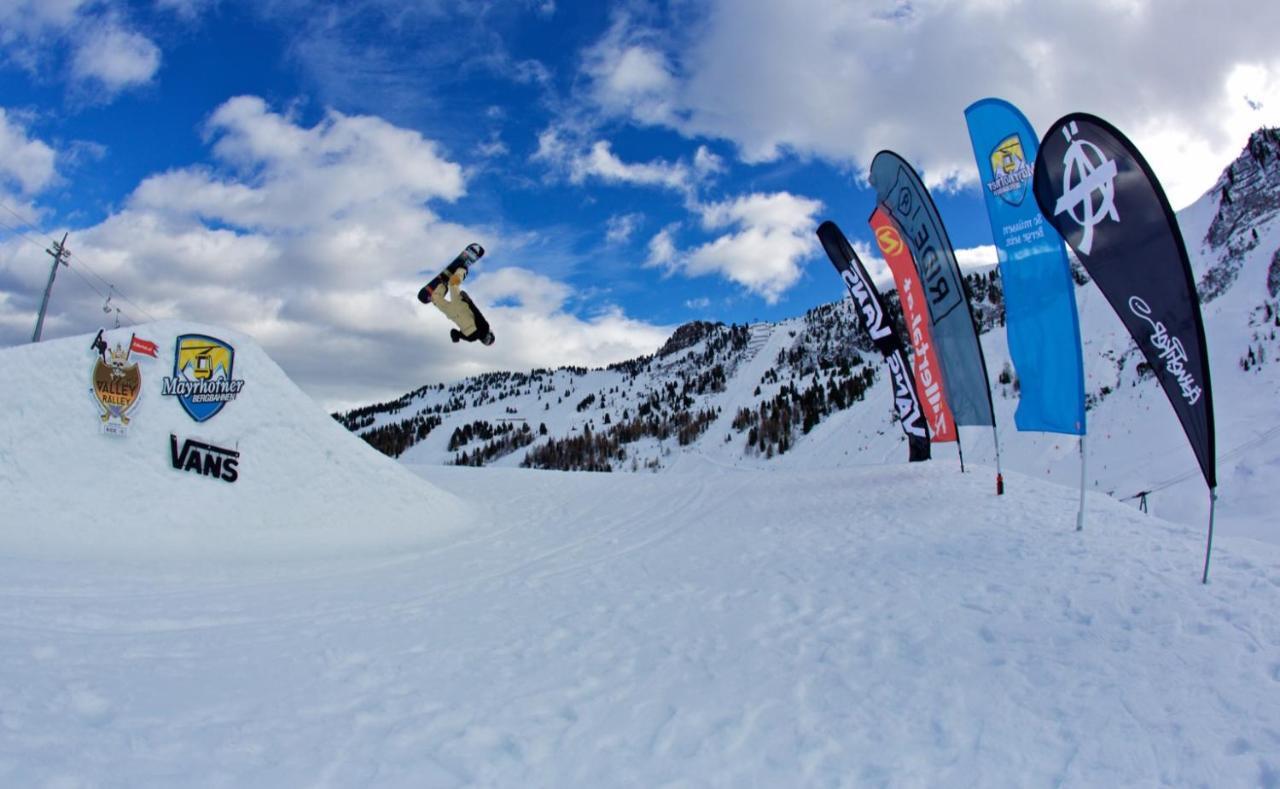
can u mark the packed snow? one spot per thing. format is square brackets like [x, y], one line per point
[306, 486]
[331, 619]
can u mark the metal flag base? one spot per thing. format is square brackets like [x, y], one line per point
[1080, 514]
[1208, 548]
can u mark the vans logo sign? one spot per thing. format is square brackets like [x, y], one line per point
[204, 459]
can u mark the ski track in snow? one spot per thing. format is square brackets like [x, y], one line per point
[714, 628]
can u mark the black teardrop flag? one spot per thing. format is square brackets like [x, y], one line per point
[869, 309]
[1101, 195]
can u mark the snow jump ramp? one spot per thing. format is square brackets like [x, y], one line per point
[205, 450]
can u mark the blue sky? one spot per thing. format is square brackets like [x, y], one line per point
[287, 168]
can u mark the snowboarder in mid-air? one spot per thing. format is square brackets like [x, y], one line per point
[460, 309]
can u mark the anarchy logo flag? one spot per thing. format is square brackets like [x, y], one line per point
[870, 311]
[1094, 186]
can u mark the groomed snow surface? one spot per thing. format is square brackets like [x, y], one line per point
[886, 625]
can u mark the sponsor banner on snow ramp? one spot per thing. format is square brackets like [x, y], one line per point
[116, 381]
[203, 377]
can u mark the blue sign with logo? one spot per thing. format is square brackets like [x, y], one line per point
[1040, 305]
[203, 375]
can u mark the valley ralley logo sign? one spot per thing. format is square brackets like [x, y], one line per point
[203, 377]
[116, 381]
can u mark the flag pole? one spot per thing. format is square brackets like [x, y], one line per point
[1213, 500]
[1080, 514]
[999, 474]
[960, 448]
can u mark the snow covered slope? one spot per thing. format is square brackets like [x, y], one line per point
[335, 618]
[303, 486]
[893, 626]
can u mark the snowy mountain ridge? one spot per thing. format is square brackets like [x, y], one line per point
[808, 392]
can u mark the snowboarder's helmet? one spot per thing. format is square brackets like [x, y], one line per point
[476, 251]
[488, 339]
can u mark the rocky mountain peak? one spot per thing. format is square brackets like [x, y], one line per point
[687, 336]
[1248, 195]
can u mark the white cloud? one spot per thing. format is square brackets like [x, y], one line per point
[25, 163]
[876, 267]
[769, 235]
[630, 73]
[662, 249]
[601, 162]
[104, 55]
[285, 177]
[983, 257]
[492, 148]
[540, 332]
[620, 227]
[707, 163]
[117, 58]
[552, 148]
[185, 9]
[311, 239]
[21, 19]
[597, 161]
[1185, 80]
[698, 304]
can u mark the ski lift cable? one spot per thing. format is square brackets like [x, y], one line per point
[1257, 440]
[106, 296]
[71, 268]
[79, 259]
[26, 237]
[70, 255]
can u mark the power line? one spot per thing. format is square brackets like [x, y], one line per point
[74, 270]
[18, 232]
[78, 260]
[26, 222]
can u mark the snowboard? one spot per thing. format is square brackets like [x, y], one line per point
[465, 258]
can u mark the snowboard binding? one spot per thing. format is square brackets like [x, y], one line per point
[465, 258]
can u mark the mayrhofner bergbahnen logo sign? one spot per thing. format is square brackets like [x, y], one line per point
[203, 375]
